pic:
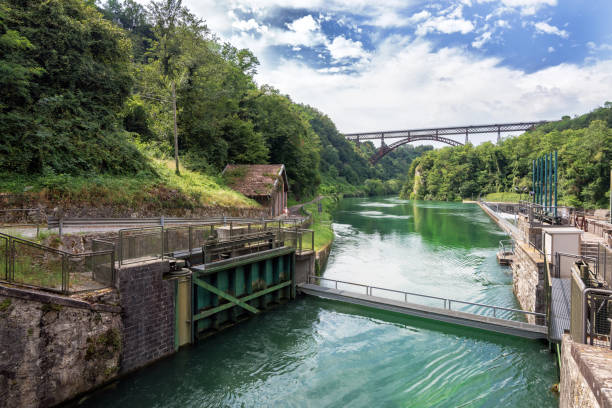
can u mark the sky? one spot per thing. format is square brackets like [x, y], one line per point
[402, 64]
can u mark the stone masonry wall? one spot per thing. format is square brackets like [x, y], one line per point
[586, 380]
[148, 313]
[53, 348]
[528, 280]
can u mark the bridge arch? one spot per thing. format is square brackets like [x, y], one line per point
[385, 149]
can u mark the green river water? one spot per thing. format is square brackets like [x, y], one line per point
[320, 353]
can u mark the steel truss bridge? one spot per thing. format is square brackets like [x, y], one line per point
[435, 134]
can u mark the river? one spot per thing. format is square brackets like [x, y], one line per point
[319, 353]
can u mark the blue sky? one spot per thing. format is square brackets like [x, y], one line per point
[373, 65]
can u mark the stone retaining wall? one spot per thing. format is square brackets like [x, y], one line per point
[53, 348]
[528, 279]
[586, 378]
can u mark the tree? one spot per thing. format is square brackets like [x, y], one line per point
[65, 77]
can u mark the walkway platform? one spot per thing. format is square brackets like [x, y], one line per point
[509, 327]
[559, 309]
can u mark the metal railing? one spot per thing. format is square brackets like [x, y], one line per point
[447, 303]
[564, 263]
[140, 244]
[506, 247]
[149, 243]
[34, 265]
[591, 311]
[162, 221]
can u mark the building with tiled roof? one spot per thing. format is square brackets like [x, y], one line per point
[265, 183]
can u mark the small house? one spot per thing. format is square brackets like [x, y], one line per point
[265, 183]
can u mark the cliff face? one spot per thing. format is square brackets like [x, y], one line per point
[50, 352]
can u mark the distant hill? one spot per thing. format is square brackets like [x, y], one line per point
[584, 145]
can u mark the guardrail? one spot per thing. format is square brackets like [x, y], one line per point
[34, 265]
[447, 302]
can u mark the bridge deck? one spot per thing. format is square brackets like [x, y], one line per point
[509, 327]
[560, 308]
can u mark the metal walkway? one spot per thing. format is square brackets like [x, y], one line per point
[446, 314]
[559, 308]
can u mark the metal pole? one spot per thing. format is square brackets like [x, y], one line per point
[545, 183]
[533, 187]
[556, 180]
[550, 183]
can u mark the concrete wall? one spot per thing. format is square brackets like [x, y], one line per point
[528, 281]
[322, 256]
[586, 379]
[304, 266]
[148, 313]
[53, 348]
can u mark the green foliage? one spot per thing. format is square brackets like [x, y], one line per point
[321, 221]
[65, 74]
[584, 152]
[81, 89]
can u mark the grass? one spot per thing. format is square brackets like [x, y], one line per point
[321, 222]
[505, 197]
[159, 190]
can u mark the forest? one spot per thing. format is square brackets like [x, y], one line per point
[88, 90]
[583, 143]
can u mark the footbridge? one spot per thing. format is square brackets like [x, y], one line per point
[438, 134]
[476, 315]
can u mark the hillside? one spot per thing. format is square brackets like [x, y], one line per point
[86, 111]
[584, 145]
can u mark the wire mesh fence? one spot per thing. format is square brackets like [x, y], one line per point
[598, 309]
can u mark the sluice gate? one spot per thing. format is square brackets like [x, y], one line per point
[225, 292]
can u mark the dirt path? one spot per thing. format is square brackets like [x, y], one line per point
[295, 210]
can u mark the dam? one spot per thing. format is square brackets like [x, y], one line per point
[319, 352]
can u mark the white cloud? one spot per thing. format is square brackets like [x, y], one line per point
[421, 15]
[481, 40]
[304, 24]
[545, 28]
[394, 92]
[341, 48]
[449, 21]
[601, 47]
[526, 7]
[502, 24]
[249, 24]
[551, 49]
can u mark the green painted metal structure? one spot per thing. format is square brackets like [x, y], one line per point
[225, 292]
[544, 182]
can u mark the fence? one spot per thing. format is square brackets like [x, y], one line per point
[444, 303]
[591, 311]
[149, 243]
[30, 264]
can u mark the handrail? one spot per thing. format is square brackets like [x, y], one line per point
[447, 301]
[13, 258]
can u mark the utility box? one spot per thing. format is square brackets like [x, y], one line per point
[565, 240]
